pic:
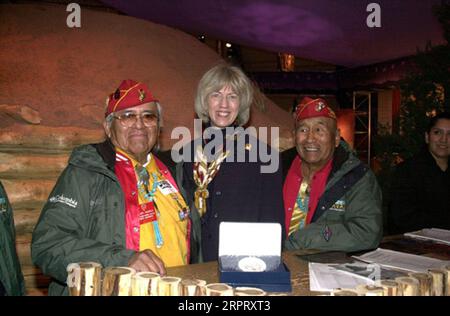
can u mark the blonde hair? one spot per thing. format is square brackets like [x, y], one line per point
[216, 78]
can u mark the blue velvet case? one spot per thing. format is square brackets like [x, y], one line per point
[254, 241]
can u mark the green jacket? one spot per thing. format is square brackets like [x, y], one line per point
[83, 219]
[348, 216]
[10, 274]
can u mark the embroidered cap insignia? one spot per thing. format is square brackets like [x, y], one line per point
[141, 95]
[320, 106]
[117, 94]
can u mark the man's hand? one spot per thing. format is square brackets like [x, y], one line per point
[147, 261]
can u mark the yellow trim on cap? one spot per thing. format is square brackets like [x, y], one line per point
[304, 105]
[115, 106]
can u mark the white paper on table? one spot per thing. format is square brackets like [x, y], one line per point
[324, 277]
[400, 260]
[434, 234]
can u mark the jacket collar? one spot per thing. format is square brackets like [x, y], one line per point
[339, 157]
[106, 151]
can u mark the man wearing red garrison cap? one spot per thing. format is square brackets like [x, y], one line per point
[115, 203]
[332, 200]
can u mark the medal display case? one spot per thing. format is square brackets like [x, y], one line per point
[250, 256]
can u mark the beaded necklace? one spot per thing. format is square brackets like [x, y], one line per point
[143, 184]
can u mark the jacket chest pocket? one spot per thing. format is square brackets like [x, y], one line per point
[338, 206]
[336, 212]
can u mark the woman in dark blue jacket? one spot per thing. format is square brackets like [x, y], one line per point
[234, 177]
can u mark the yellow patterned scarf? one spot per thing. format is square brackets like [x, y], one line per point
[203, 175]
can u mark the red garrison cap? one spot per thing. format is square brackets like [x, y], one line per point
[129, 94]
[309, 107]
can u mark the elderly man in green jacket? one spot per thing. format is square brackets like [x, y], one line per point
[115, 203]
[11, 278]
[332, 200]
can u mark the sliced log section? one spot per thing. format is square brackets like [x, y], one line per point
[117, 281]
[84, 279]
[447, 280]
[390, 288]
[369, 290]
[407, 286]
[145, 284]
[438, 282]
[219, 289]
[193, 287]
[249, 291]
[425, 283]
[344, 292]
[169, 286]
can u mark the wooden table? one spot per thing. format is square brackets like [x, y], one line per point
[299, 267]
[210, 272]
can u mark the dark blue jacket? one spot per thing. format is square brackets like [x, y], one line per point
[239, 193]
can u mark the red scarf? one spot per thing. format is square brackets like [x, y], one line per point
[127, 178]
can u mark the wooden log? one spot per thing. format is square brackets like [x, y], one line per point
[37, 292]
[369, 290]
[447, 280]
[425, 283]
[390, 288]
[117, 281]
[249, 291]
[438, 282]
[407, 286]
[31, 166]
[93, 112]
[219, 289]
[21, 113]
[37, 281]
[28, 193]
[344, 292]
[84, 279]
[23, 248]
[193, 287]
[46, 139]
[145, 284]
[169, 286]
[25, 220]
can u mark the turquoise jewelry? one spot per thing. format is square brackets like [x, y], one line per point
[143, 184]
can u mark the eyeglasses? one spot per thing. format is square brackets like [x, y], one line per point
[128, 119]
[218, 97]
